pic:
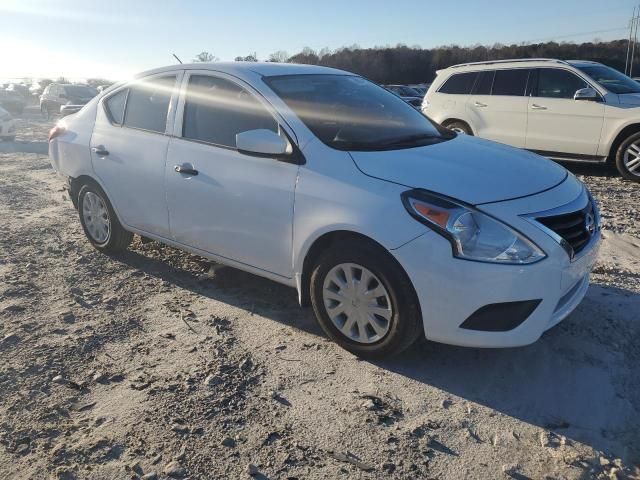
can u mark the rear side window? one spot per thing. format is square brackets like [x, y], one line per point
[114, 105]
[460, 83]
[148, 104]
[557, 83]
[484, 83]
[510, 82]
[216, 110]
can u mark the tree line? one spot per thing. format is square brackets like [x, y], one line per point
[405, 65]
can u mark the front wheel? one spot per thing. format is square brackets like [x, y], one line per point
[99, 221]
[364, 301]
[459, 127]
[628, 158]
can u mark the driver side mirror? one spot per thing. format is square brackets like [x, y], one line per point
[586, 94]
[262, 142]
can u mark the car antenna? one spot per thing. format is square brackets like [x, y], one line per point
[176, 57]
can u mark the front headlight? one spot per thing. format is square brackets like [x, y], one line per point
[473, 235]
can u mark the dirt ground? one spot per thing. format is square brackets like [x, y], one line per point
[150, 364]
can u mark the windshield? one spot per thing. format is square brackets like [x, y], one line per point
[350, 113]
[611, 79]
[80, 91]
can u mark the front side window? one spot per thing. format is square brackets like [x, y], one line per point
[216, 110]
[460, 83]
[115, 104]
[347, 112]
[557, 83]
[510, 82]
[611, 79]
[148, 104]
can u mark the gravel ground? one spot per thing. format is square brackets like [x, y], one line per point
[152, 364]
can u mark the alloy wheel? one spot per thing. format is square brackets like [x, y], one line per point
[631, 159]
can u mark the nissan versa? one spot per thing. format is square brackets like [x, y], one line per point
[391, 226]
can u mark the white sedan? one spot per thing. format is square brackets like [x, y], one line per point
[389, 225]
[7, 126]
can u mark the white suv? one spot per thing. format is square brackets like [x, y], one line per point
[387, 223]
[571, 111]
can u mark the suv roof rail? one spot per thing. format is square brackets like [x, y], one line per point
[517, 60]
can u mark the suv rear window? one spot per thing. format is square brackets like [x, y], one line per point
[459, 83]
[148, 104]
[510, 82]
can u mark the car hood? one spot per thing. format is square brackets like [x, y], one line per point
[466, 168]
[629, 98]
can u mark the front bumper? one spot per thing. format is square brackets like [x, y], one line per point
[451, 290]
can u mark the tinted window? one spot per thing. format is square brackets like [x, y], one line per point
[148, 104]
[80, 91]
[216, 110]
[460, 83]
[484, 83]
[115, 106]
[510, 82]
[348, 112]
[611, 79]
[556, 83]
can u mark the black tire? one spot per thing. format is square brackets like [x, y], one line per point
[406, 322]
[620, 158]
[459, 126]
[118, 238]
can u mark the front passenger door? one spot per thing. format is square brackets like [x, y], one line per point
[226, 202]
[558, 124]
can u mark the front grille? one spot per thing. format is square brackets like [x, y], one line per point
[573, 227]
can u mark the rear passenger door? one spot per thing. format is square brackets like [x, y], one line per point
[129, 146]
[497, 107]
[558, 125]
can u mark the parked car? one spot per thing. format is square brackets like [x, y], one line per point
[391, 226]
[23, 90]
[12, 101]
[65, 98]
[409, 95]
[572, 111]
[7, 126]
[421, 88]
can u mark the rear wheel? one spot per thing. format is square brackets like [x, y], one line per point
[459, 127]
[99, 221]
[364, 301]
[628, 158]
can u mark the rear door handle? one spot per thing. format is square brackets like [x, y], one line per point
[100, 151]
[184, 170]
[535, 106]
[480, 104]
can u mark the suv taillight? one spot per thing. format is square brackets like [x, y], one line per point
[56, 132]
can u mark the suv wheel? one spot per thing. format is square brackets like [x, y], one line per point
[459, 127]
[99, 221]
[364, 301]
[628, 158]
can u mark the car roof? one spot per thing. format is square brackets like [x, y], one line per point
[243, 69]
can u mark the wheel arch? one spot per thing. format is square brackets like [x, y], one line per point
[329, 240]
[621, 136]
[75, 184]
[450, 120]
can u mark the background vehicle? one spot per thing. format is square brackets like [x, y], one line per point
[7, 126]
[453, 256]
[12, 101]
[573, 111]
[421, 88]
[409, 95]
[65, 98]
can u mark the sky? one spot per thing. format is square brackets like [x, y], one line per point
[116, 38]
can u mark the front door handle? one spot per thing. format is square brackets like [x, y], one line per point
[100, 151]
[480, 104]
[535, 106]
[185, 170]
